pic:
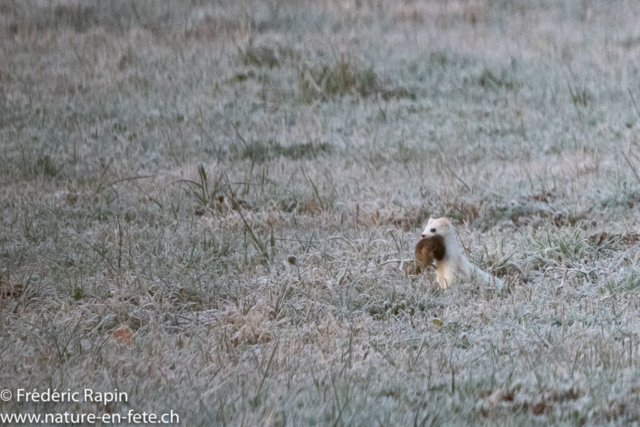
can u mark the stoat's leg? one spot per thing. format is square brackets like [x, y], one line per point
[445, 274]
[440, 277]
[442, 282]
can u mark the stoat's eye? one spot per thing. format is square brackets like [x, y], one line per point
[433, 230]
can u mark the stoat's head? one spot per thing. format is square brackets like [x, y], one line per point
[437, 227]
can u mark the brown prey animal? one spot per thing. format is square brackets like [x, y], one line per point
[430, 249]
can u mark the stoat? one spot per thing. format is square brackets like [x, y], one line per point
[453, 263]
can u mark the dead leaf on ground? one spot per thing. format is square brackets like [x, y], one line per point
[9, 290]
[237, 203]
[72, 198]
[310, 207]
[124, 335]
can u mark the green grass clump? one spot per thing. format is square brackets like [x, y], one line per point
[489, 80]
[343, 78]
[261, 151]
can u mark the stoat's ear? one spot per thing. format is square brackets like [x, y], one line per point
[445, 220]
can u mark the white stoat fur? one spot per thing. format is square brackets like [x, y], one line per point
[454, 264]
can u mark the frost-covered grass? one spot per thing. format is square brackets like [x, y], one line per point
[238, 182]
